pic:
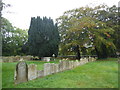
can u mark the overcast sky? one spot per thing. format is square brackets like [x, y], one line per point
[21, 11]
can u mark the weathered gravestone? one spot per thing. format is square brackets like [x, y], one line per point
[72, 64]
[47, 59]
[77, 63]
[52, 68]
[67, 65]
[81, 61]
[90, 59]
[40, 73]
[47, 69]
[32, 71]
[56, 68]
[64, 65]
[61, 66]
[21, 72]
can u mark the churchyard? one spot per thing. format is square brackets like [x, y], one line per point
[83, 42]
[97, 74]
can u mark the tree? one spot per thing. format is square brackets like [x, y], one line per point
[110, 17]
[43, 37]
[12, 39]
[82, 28]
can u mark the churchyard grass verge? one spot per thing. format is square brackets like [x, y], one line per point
[99, 74]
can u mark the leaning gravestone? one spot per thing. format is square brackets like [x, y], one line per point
[21, 72]
[32, 71]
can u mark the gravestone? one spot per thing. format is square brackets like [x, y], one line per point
[52, 68]
[21, 72]
[40, 73]
[72, 64]
[56, 68]
[47, 69]
[77, 62]
[64, 65]
[61, 66]
[69, 64]
[47, 59]
[90, 59]
[32, 71]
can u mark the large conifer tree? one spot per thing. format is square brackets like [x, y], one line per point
[43, 37]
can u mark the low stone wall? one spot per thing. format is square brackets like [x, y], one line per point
[30, 72]
[15, 58]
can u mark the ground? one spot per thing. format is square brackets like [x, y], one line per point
[98, 74]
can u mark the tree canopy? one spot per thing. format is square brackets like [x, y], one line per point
[87, 27]
[12, 39]
[43, 37]
[85, 30]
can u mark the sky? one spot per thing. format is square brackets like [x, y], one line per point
[21, 11]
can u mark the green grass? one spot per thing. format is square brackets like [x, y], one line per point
[99, 74]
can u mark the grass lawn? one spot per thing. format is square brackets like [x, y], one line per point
[99, 74]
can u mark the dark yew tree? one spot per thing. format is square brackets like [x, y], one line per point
[43, 37]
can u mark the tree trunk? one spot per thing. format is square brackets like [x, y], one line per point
[78, 52]
[97, 52]
[103, 53]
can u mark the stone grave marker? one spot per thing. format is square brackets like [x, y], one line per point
[56, 68]
[69, 64]
[47, 59]
[47, 69]
[32, 71]
[52, 68]
[21, 72]
[72, 64]
[40, 73]
[61, 66]
[64, 65]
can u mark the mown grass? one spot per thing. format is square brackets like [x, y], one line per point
[99, 74]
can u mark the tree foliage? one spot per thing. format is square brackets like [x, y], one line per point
[12, 39]
[43, 37]
[85, 27]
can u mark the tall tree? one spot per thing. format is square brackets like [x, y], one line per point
[110, 17]
[43, 37]
[81, 27]
[12, 39]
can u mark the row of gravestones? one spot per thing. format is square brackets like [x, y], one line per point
[26, 72]
[15, 58]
